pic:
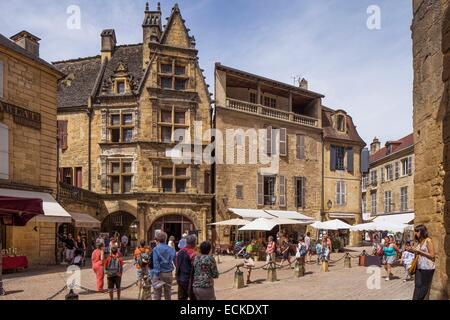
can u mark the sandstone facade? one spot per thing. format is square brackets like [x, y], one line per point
[305, 179]
[28, 85]
[431, 43]
[122, 110]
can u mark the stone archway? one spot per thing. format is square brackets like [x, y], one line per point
[172, 224]
[120, 222]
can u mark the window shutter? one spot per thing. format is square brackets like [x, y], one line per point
[332, 158]
[282, 191]
[62, 134]
[269, 141]
[397, 170]
[365, 159]
[337, 192]
[350, 160]
[303, 192]
[61, 175]
[344, 193]
[4, 152]
[283, 142]
[301, 147]
[410, 165]
[382, 175]
[260, 190]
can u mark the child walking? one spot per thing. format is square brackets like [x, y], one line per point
[406, 260]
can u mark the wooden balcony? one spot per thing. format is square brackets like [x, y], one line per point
[272, 113]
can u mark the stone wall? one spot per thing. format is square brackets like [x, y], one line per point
[431, 48]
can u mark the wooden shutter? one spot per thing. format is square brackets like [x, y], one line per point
[343, 193]
[365, 159]
[282, 191]
[397, 170]
[260, 190]
[382, 175]
[332, 158]
[61, 175]
[300, 147]
[350, 159]
[410, 166]
[62, 134]
[269, 141]
[283, 142]
[79, 178]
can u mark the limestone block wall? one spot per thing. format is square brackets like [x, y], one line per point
[431, 49]
[32, 151]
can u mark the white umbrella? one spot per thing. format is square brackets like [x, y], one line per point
[317, 225]
[260, 224]
[285, 221]
[332, 225]
[232, 222]
[381, 226]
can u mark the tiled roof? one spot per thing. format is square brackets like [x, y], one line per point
[5, 42]
[332, 133]
[397, 146]
[81, 75]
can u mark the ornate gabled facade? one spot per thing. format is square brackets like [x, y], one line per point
[120, 114]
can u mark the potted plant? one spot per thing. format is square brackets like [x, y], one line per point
[337, 244]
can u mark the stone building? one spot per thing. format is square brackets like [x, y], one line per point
[120, 116]
[388, 186]
[431, 49]
[318, 150]
[28, 157]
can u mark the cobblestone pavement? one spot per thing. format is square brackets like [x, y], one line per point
[339, 283]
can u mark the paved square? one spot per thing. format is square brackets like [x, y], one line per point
[337, 284]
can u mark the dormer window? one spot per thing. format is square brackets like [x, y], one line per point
[340, 123]
[389, 149]
[120, 87]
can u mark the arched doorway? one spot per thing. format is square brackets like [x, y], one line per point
[121, 222]
[173, 225]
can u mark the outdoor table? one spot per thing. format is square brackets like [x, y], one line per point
[14, 263]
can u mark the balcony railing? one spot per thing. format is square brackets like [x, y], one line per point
[271, 112]
[67, 191]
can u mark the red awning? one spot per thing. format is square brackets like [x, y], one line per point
[18, 211]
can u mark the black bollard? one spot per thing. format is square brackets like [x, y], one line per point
[72, 296]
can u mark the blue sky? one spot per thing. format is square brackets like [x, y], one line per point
[366, 72]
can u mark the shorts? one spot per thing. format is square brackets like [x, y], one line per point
[114, 282]
[389, 260]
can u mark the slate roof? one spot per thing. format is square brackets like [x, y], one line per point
[331, 133]
[81, 74]
[397, 146]
[132, 57]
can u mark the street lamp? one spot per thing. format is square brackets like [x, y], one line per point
[330, 204]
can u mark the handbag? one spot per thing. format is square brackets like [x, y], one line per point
[412, 269]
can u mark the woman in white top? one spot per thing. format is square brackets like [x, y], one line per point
[425, 264]
[171, 242]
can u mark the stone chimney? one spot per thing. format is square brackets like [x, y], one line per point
[27, 41]
[375, 146]
[109, 42]
[152, 30]
[303, 84]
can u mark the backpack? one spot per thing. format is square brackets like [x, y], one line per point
[144, 259]
[114, 268]
[302, 251]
